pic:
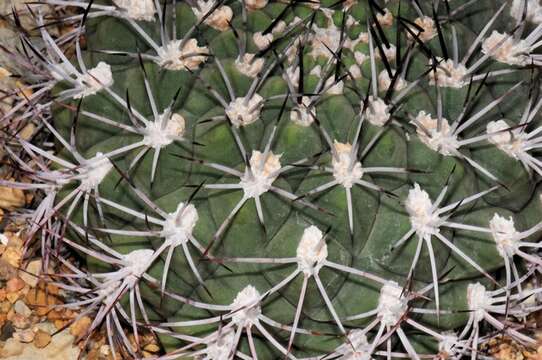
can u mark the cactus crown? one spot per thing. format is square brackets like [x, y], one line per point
[302, 179]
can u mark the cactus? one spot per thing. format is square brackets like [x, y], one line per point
[306, 179]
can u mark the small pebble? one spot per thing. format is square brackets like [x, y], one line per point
[6, 270]
[12, 297]
[11, 198]
[14, 285]
[5, 306]
[11, 348]
[30, 275]
[25, 336]
[21, 308]
[80, 327]
[153, 348]
[20, 321]
[42, 339]
[6, 331]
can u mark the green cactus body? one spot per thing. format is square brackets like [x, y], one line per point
[267, 145]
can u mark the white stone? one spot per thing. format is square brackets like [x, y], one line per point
[179, 225]
[261, 175]
[448, 74]
[311, 251]
[4, 239]
[219, 19]
[392, 305]
[377, 112]
[246, 307]
[503, 48]
[172, 57]
[21, 308]
[301, 113]
[242, 112]
[94, 80]
[478, 300]
[94, 170]
[419, 208]
[31, 273]
[501, 136]
[534, 10]
[505, 235]
[137, 9]
[248, 65]
[441, 141]
[346, 168]
[163, 131]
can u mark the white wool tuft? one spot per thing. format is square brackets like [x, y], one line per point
[301, 114]
[505, 235]
[378, 112]
[243, 113]
[172, 57]
[246, 307]
[419, 207]
[94, 80]
[501, 136]
[94, 170]
[534, 10]
[221, 347]
[179, 226]
[357, 347]
[448, 74]
[478, 300]
[346, 169]
[158, 135]
[219, 19]
[255, 4]
[391, 303]
[259, 178]
[384, 81]
[428, 26]
[311, 251]
[441, 141]
[262, 41]
[503, 48]
[137, 9]
[248, 65]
